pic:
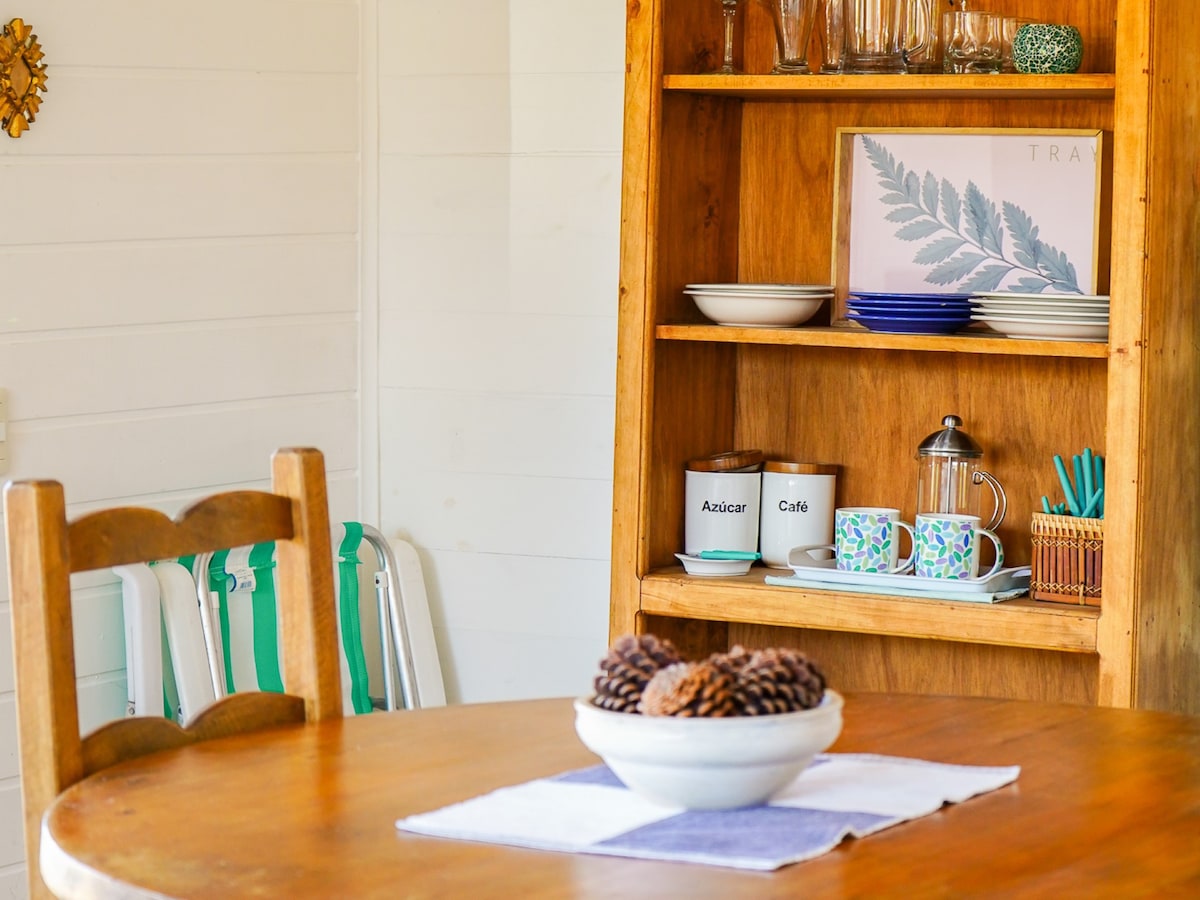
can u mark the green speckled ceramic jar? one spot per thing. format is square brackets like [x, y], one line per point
[1040, 49]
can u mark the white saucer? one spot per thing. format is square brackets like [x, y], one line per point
[710, 568]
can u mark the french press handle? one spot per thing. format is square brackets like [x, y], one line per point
[998, 496]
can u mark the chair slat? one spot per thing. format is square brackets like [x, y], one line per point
[117, 537]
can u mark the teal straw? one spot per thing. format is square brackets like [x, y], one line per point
[1045, 504]
[1100, 485]
[1072, 503]
[1090, 509]
[1089, 487]
[1081, 497]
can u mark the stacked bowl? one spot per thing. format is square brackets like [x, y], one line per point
[759, 305]
[1052, 317]
[910, 313]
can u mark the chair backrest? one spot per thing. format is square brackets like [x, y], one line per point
[44, 549]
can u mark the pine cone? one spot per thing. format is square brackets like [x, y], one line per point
[627, 668]
[778, 681]
[688, 690]
[733, 662]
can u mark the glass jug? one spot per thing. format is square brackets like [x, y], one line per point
[949, 476]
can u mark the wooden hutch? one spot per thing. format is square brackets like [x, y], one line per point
[730, 178]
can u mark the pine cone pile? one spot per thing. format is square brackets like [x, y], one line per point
[641, 674]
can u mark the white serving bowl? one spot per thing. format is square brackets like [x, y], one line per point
[708, 763]
[758, 310]
[712, 568]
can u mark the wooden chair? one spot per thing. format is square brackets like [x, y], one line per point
[44, 549]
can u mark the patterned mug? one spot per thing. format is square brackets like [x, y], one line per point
[866, 539]
[947, 546]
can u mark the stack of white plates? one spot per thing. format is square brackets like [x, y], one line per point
[759, 305]
[1054, 317]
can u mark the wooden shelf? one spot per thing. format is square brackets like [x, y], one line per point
[1014, 623]
[898, 87]
[861, 339]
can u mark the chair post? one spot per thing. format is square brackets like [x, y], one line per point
[309, 617]
[43, 654]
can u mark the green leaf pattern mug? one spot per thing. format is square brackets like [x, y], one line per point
[947, 546]
[866, 540]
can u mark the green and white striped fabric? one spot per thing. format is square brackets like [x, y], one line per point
[244, 581]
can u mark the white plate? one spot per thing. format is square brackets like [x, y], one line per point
[1014, 312]
[1046, 329]
[736, 287]
[1045, 305]
[711, 568]
[1057, 298]
[757, 295]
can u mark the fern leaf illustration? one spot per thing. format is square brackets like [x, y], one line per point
[921, 228]
[983, 222]
[951, 204]
[1054, 265]
[904, 214]
[938, 250]
[929, 194]
[1030, 284]
[956, 269]
[1024, 234]
[987, 278]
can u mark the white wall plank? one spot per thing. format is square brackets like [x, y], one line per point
[547, 436]
[117, 199]
[164, 367]
[192, 113]
[247, 35]
[486, 666]
[416, 39]
[505, 354]
[155, 445]
[95, 285]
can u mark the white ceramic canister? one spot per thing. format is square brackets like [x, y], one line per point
[721, 502]
[797, 508]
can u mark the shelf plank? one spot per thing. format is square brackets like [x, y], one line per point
[1014, 623]
[861, 339]
[901, 87]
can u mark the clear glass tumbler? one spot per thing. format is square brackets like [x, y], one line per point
[972, 42]
[1009, 26]
[793, 21]
[875, 37]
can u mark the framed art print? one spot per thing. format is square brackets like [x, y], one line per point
[959, 211]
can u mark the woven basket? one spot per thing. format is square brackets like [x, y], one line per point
[1068, 556]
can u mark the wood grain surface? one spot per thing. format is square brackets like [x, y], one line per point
[1107, 804]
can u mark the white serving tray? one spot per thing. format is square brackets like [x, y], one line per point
[824, 574]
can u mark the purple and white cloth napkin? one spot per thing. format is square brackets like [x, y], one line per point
[590, 811]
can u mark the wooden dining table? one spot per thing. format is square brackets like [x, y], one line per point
[1107, 804]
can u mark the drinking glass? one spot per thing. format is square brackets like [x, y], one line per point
[972, 43]
[923, 42]
[831, 35]
[793, 21]
[874, 37]
[728, 10]
[1009, 27]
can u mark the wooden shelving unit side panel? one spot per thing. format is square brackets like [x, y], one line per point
[1154, 409]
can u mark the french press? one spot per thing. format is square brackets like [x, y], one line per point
[949, 475]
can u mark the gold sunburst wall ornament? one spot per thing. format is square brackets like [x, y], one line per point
[22, 77]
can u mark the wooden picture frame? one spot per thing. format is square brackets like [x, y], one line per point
[960, 210]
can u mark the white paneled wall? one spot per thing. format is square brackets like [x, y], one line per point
[500, 135]
[181, 293]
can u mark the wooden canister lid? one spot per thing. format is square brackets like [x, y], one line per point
[799, 468]
[729, 461]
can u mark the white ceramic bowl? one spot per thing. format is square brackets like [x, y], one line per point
[706, 763]
[758, 310]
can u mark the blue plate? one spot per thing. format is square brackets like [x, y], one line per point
[915, 308]
[910, 325]
[905, 298]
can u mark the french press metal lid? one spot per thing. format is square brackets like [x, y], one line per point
[950, 441]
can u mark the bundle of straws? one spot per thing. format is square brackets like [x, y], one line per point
[1084, 497]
